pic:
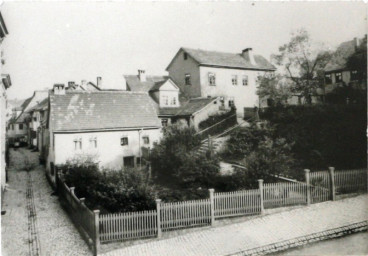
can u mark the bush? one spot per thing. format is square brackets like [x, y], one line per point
[110, 190]
[327, 135]
[174, 165]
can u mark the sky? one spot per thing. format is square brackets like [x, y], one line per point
[57, 42]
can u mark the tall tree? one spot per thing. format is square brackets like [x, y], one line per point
[303, 62]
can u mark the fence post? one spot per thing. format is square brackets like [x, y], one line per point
[307, 180]
[260, 185]
[212, 205]
[158, 207]
[97, 232]
[332, 182]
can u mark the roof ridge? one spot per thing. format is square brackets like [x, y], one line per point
[107, 91]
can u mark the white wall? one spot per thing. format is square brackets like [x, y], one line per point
[109, 152]
[210, 110]
[244, 96]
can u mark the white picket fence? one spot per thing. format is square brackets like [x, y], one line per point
[284, 194]
[350, 181]
[185, 214]
[245, 202]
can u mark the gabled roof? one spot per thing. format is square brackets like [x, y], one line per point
[102, 110]
[194, 105]
[341, 55]
[41, 106]
[226, 60]
[152, 83]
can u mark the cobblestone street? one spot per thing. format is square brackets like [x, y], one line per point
[35, 223]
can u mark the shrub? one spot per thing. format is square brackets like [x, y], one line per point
[109, 190]
[326, 135]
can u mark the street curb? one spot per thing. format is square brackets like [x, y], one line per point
[299, 241]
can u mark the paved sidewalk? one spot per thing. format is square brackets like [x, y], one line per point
[52, 228]
[257, 232]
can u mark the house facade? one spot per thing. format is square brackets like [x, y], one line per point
[111, 127]
[5, 83]
[232, 77]
[171, 104]
[340, 74]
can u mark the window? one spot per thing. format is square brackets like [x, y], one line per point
[12, 127]
[20, 126]
[245, 80]
[164, 122]
[231, 102]
[165, 100]
[328, 79]
[187, 79]
[124, 141]
[338, 77]
[129, 161]
[354, 75]
[93, 142]
[34, 119]
[234, 80]
[212, 79]
[145, 140]
[77, 143]
[173, 101]
[185, 55]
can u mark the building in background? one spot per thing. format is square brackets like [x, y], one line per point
[5, 84]
[231, 76]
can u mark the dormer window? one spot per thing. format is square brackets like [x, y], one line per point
[173, 101]
[185, 56]
[124, 141]
[78, 143]
[165, 100]
[187, 79]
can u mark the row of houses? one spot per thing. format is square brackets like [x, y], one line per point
[113, 127]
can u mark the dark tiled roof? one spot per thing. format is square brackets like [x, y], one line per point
[102, 110]
[194, 105]
[23, 117]
[168, 111]
[26, 102]
[136, 85]
[338, 61]
[231, 60]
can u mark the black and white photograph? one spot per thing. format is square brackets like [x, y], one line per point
[183, 128]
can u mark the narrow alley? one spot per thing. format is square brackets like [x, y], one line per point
[34, 222]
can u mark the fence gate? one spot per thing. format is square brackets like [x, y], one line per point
[320, 186]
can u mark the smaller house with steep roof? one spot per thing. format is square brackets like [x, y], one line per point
[109, 126]
[230, 76]
[171, 105]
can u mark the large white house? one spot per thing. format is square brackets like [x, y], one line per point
[231, 76]
[110, 126]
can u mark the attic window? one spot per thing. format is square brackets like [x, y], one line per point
[20, 126]
[354, 75]
[124, 141]
[185, 55]
[187, 79]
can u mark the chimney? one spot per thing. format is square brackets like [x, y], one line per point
[59, 89]
[247, 54]
[71, 84]
[142, 75]
[356, 43]
[99, 81]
